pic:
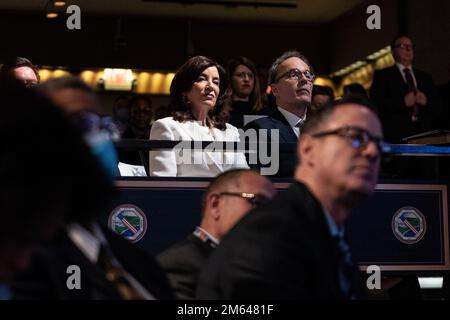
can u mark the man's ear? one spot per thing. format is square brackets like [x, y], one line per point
[274, 89]
[212, 205]
[306, 148]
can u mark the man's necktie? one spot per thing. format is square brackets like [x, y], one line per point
[115, 275]
[299, 125]
[411, 88]
[345, 265]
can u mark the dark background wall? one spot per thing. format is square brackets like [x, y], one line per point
[428, 22]
[154, 43]
[162, 43]
[351, 40]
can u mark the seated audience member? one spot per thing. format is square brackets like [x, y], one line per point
[405, 96]
[83, 106]
[139, 128]
[121, 114]
[111, 267]
[294, 246]
[36, 191]
[161, 112]
[355, 89]
[291, 80]
[23, 70]
[227, 199]
[141, 118]
[197, 92]
[38, 138]
[321, 96]
[245, 91]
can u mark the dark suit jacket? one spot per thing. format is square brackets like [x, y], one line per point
[283, 250]
[183, 262]
[444, 119]
[276, 120]
[47, 276]
[388, 92]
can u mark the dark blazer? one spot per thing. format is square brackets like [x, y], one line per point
[276, 120]
[283, 250]
[183, 262]
[388, 92]
[444, 119]
[47, 276]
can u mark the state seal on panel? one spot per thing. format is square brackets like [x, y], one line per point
[409, 225]
[128, 221]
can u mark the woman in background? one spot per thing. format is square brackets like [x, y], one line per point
[245, 91]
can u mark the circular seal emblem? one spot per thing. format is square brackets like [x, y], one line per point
[409, 225]
[128, 221]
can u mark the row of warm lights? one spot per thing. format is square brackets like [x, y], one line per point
[364, 74]
[119, 79]
[52, 8]
[379, 53]
[360, 63]
[350, 68]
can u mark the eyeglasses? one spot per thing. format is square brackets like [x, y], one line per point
[295, 74]
[404, 46]
[358, 137]
[254, 199]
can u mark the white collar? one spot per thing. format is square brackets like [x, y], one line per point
[88, 242]
[291, 118]
[402, 67]
[212, 238]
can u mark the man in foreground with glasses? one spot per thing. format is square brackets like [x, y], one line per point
[291, 81]
[227, 199]
[293, 248]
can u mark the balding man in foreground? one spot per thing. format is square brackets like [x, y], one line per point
[229, 197]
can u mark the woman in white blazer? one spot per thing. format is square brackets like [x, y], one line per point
[197, 91]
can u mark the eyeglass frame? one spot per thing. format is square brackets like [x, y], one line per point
[344, 133]
[303, 73]
[251, 198]
[404, 46]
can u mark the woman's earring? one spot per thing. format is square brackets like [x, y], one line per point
[185, 99]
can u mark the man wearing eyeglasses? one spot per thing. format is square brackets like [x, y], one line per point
[294, 247]
[227, 199]
[405, 96]
[291, 81]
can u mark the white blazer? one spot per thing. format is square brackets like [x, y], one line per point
[190, 163]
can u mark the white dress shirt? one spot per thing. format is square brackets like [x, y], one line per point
[402, 72]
